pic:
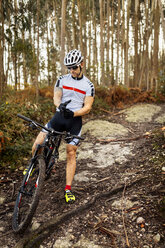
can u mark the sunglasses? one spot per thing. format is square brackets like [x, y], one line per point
[73, 67]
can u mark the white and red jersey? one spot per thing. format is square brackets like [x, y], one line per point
[75, 89]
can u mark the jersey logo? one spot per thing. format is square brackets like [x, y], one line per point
[71, 88]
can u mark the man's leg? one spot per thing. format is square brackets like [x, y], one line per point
[71, 164]
[70, 171]
[39, 140]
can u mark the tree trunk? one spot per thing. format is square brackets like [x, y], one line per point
[15, 39]
[75, 45]
[162, 17]
[156, 45]
[63, 21]
[95, 60]
[107, 69]
[144, 72]
[126, 47]
[1, 50]
[47, 46]
[38, 50]
[123, 41]
[82, 48]
[112, 44]
[136, 66]
[24, 63]
[101, 42]
[118, 40]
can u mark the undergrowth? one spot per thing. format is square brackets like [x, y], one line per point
[158, 147]
[16, 139]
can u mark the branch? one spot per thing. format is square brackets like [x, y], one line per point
[125, 231]
[35, 238]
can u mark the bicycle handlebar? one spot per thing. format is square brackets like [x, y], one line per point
[47, 129]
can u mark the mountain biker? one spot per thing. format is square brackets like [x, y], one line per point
[73, 98]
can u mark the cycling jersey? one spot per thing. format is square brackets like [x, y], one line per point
[75, 89]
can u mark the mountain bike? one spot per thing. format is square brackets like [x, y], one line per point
[38, 169]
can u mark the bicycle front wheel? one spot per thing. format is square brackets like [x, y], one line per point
[28, 196]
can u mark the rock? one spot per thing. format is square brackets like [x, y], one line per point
[35, 225]
[2, 229]
[140, 220]
[82, 176]
[62, 243]
[103, 129]
[141, 112]
[163, 168]
[2, 199]
[156, 238]
[119, 204]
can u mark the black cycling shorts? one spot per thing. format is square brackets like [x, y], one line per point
[60, 124]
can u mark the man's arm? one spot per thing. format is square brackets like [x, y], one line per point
[57, 96]
[86, 108]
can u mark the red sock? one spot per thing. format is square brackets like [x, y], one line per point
[68, 187]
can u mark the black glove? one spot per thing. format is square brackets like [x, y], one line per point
[62, 106]
[68, 114]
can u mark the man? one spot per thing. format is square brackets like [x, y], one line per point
[73, 97]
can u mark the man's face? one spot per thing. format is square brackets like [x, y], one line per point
[75, 71]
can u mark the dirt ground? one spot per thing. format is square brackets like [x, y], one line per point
[133, 217]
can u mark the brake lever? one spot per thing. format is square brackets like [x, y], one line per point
[33, 126]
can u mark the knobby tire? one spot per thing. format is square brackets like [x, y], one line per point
[23, 214]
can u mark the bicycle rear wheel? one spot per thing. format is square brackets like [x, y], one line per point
[28, 196]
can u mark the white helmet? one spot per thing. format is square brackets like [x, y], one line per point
[73, 58]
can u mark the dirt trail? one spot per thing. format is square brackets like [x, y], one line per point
[131, 217]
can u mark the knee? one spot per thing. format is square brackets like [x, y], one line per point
[71, 151]
[39, 140]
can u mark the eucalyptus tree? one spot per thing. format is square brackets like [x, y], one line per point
[94, 50]
[162, 13]
[74, 26]
[80, 11]
[136, 32]
[1, 48]
[118, 38]
[156, 45]
[126, 45]
[63, 24]
[101, 42]
[108, 41]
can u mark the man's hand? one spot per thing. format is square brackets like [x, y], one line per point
[68, 114]
[62, 106]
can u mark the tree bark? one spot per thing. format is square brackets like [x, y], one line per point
[101, 42]
[136, 29]
[75, 45]
[95, 60]
[63, 21]
[162, 17]
[118, 39]
[82, 45]
[1, 50]
[38, 51]
[15, 52]
[156, 46]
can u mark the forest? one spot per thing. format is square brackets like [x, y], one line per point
[122, 42]
[119, 180]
